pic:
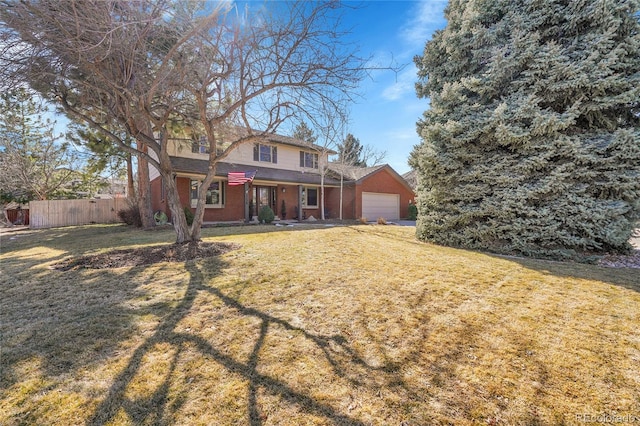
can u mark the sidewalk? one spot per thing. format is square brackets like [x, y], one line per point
[15, 228]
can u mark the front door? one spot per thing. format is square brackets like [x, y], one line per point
[264, 196]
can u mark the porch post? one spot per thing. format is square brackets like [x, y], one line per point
[299, 203]
[246, 202]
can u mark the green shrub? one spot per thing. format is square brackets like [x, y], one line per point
[266, 215]
[188, 214]
[131, 215]
[413, 211]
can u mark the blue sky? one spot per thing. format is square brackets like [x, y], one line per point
[389, 30]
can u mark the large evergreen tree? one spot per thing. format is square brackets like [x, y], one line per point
[305, 133]
[532, 142]
[350, 151]
[353, 153]
[35, 163]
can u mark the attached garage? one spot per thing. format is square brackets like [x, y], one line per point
[376, 205]
[369, 192]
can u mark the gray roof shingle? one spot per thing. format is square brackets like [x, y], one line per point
[190, 165]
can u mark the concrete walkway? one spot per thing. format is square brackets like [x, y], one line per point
[405, 222]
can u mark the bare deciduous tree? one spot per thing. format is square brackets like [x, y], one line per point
[152, 65]
[371, 156]
[35, 162]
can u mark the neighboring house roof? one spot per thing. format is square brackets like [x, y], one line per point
[412, 179]
[358, 174]
[190, 165]
[354, 173]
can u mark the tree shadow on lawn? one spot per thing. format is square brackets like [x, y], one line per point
[153, 409]
[628, 278]
[77, 240]
[78, 348]
[406, 400]
[46, 317]
[68, 322]
[625, 277]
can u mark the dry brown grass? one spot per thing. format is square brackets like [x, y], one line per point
[311, 325]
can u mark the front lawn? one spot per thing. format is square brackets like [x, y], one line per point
[352, 325]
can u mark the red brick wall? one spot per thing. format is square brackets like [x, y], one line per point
[157, 203]
[184, 190]
[160, 203]
[233, 208]
[234, 201]
[332, 200]
[290, 197]
[382, 182]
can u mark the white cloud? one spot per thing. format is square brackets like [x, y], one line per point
[403, 85]
[428, 16]
[402, 134]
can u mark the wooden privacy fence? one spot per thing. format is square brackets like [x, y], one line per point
[54, 213]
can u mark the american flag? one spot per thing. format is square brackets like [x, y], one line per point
[239, 178]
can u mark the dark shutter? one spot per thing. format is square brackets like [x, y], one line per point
[274, 154]
[256, 152]
[301, 158]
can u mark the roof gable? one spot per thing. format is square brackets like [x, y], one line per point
[359, 174]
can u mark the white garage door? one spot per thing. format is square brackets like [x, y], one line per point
[375, 205]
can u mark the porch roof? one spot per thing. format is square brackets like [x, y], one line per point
[194, 166]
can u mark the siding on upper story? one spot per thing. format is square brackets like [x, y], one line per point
[153, 172]
[288, 157]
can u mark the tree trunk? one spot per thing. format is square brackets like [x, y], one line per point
[183, 233]
[131, 189]
[179, 220]
[144, 191]
[196, 227]
[144, 184]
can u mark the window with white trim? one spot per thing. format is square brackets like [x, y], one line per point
[201, 146]
[310, 196]
[265, 153]
[308, 160]
[215, 194]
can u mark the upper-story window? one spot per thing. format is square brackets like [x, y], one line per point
[265, 153]
[309, 160]
[200, 146]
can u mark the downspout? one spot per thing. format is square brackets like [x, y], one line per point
[299, 203]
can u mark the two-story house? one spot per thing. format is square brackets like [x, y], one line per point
[285, 175]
